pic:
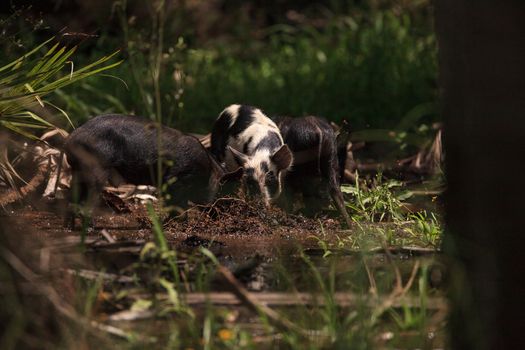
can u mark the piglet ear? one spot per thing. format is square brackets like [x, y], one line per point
[235, 175]
[283, 158]
[239, 157]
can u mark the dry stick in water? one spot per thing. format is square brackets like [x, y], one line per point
[252, 303]
[398, 292]
[56, 300]
[399, 280]
[107, 236]
[371, 279]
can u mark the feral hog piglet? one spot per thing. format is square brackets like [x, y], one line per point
[127, 149]
[316, 165]
[243, 135]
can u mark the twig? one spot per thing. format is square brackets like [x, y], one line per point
[95, 275]
[107, 236]
[44, 289]
[54, 298]
[371, 279]
[247, 299]
[110, 330]
[397, 293]
[412, 277]
[407, 250]
[20, 193]
[132, 315]
[399, 280]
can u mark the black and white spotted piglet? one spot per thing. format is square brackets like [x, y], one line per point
[243, 135]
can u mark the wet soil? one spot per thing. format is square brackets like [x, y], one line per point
[257, 244]
[246, 237]
[230, 225]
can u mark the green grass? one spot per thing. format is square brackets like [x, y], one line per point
[380, 310]
[369, 73]
[374, 70]
[25, 85]
[377, 207]
[376, 200]
[328, 325]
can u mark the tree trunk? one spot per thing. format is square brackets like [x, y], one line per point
[482, 75]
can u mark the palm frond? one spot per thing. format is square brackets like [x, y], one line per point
[25, 82]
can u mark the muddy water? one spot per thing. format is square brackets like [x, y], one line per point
[267, 252]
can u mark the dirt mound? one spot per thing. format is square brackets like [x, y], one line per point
[231, 216]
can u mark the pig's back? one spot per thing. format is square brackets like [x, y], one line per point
[128, 144]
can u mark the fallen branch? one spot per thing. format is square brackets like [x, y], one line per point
[283, 299]
[63, 308]
[95, 275]
[408, 250]
[14, 195]
[398, 294]
[276, 299]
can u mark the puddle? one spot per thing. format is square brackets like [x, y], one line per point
[282, 261]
